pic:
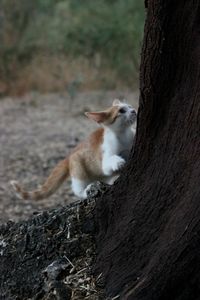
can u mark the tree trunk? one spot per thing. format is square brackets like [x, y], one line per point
[149, 222]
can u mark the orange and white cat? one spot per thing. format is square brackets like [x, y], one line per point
[98, 158]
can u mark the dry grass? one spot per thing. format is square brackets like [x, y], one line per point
[52, 74]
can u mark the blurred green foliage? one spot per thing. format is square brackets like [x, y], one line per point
[108, 32]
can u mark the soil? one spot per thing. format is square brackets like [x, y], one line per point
[50, 256]
[37, 131]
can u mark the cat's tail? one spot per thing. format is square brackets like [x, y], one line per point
[55, 179]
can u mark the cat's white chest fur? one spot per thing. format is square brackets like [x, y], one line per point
[113, 147]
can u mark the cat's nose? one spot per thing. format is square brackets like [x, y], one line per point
[133, 111]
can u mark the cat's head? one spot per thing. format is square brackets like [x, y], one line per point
[118, 116]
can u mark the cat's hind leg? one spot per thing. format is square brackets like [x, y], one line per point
[80, 187]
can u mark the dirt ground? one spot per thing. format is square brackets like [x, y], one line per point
[37, 131]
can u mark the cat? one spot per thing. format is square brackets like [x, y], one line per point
[98, 158]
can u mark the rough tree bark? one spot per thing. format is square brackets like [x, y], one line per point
[149, 222]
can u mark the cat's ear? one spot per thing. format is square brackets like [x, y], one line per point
[98, 117]
[116, 102]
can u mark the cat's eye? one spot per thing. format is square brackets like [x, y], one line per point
[122, 110]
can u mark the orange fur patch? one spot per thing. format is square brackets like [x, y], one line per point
[85, 161]
[107, 116]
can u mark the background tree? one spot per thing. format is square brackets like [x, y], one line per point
[74, 33]
[149, 222]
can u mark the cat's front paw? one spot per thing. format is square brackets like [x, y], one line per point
[91, 190]
[117, 163]
[94, 189]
